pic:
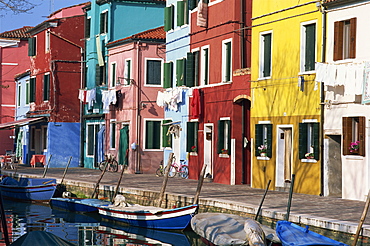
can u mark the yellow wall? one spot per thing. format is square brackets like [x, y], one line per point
[279, 99]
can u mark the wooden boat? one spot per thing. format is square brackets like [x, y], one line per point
[82, 205]
[28, 189]
[291, 234]
[230, 229]
[150, 217]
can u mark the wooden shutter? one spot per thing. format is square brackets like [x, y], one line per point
[220, 139]
[228, 136]
[316, 140]
[90, 139]
[192, 4]
[152, 136]
[168, 18]
[352, 48]
[310, 47]
[87, 27]
[153, 74]
[32, 46]
[32, 89]
[46, 86]
[180, 63]
[267, 55]
[180, 13]
[167, 80]
[190, 63]
[347, 134]
[102, 23]
[269, 140]
[166, 139]
[303, 129]
[128, 72]
[228, 61]
[361, 135]
[338, 40]
[258, 138]
[205, 69]
[191, 135]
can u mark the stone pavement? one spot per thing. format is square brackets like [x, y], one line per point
[324, 212]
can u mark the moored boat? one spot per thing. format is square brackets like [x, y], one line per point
[28, 189]
[150, 217]
[292, 234]
[82, 205]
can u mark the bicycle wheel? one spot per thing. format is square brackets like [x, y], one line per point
[159, 172]
[101, 165]
[172, 172]
[114, 166]
[184, 172]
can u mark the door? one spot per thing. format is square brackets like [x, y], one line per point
[208, 149]
[37, 139]
[284, 156]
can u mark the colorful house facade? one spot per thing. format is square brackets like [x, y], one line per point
[133, 123]
[108, 21]
[55, 77]
[286, 110]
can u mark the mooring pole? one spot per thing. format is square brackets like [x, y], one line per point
[47, 166]
[164, 184]
[263, 198]
[366, 208]
[200, 184]
[65, 170]
[290, 198]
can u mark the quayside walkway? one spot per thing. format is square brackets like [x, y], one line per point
[335, 214]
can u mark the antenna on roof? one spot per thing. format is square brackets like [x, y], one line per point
[51, 7]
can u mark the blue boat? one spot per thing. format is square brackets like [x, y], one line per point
[82, 205]
[291, 234]
[28, 189]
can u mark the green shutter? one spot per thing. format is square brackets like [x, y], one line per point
[192, 4]
[167, 78]
[303, 128]
[206, 57]
[97, 74]
[267, 55]
[310, 47]
[190, 63]
[180, 13]
[149, 137]
[228, 136]
[32, 89]
[191, 135]
[28, 93]
[168, 18]
[220, 139]
[258, 133]
[228, 61]
[316, 140]
[31, 46]
[128, 66]
[180, 72]
[90, 139]
[46, 87]
[87, 27]
[166, 139]
[153, 74]
[269, 140]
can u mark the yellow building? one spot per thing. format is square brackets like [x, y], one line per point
[286, 109]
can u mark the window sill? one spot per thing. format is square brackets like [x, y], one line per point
[354, 157]
[309, 160]
[223, 155]
[193, 153]
[263, 158]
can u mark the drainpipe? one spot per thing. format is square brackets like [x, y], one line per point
[82, 122]
[138, 120]
[322, 96]
[242, 33]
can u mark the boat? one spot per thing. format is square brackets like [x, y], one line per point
[149, 216]
[292, 234]
[229, 229]
[40, 238]
[28, 189]
[82, 205]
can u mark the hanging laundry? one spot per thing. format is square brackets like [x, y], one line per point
[108, 97]
[82, 95]
[202, 14]
[160, 99]
[91, 97]
[195, 104]
[175, 130]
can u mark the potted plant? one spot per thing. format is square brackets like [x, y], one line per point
[262, 150]
[309, 155]
[224, 151]
[354, 147]
[194, 148]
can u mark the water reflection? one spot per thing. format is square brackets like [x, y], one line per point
[86, 229]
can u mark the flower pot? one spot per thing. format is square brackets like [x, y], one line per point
[309, 157]
[263, 154]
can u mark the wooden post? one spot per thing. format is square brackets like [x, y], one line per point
[164, 184]
[290, 198]
[97, 183]
[46, 167]
[200, 184]
[65, 170]
[263, 198]
[366, 208]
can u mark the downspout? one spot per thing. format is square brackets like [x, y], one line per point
[322, 96]
[242, 65]
[82, 122]
[138, 120]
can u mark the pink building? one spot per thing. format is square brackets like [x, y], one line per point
[14, 60]
[133, 123]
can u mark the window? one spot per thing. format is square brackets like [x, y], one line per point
[32, 46]
[32, 138]
[263, 136]
[180, 71]
[191, 135]
[182, 13]
[113, 74]
[204, 73]
[167, 74]
[166, 138]
[47, 41]
[265, 55]
[32, 89]
[46, 87]
[44, 137]
[309, 140]
[354, 134]
[104, 22]
[100, 74]
[27, 92]
[224, 137]
[87, 27]
[92, 133]
[192, 69]
[308, 47]
[112, 134]
[153, 72]
[127, 72]
[19, 95]
[152, 134]
[345, 39]
[168, 18]
[226, 60]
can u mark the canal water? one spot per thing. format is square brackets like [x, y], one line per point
[86, 229]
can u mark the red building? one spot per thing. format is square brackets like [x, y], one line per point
[14, 60]
[220, 45]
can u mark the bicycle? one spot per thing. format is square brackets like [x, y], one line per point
[180, 169]
[110, 162]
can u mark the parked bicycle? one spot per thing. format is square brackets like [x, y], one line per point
[110, 161]
[181, 169]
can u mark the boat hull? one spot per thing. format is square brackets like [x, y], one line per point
[78, 204]
[175, 219]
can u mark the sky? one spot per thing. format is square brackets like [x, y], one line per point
[9, 21]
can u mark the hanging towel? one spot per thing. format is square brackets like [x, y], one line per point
[202, 14]
[99, 51]
[123, 146]
[195, 104]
